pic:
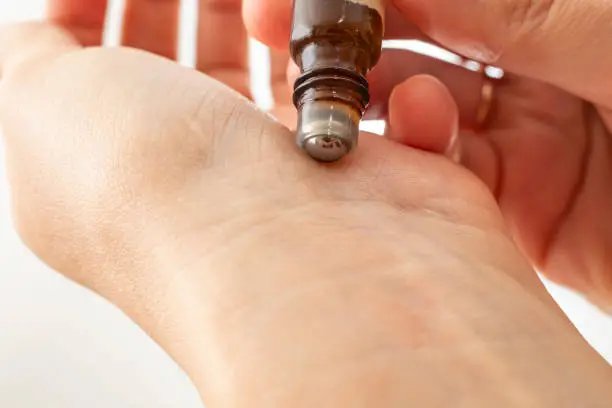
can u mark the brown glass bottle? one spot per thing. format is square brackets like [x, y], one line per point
[335, 43]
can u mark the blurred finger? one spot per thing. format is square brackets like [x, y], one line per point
[464, 86]
[222, 51]
[269, 21]
[282, 90]
[152, 25]
[423, 115]
[398, 28]
[83, 18]
[561, 42]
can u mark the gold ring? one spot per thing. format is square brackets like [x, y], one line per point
[487, 92]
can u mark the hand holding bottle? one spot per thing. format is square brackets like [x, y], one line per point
[388, 279]
[544, 147]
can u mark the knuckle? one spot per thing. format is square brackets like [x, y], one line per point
[526, 16]
[510, 25]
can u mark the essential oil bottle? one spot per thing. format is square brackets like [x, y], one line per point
[335, 43]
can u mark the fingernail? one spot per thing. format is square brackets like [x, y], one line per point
[453, 151]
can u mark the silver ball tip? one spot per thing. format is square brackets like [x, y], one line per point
[325, 148]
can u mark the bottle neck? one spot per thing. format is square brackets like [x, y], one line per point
[330, 104]
[332, 84]
[323, 55]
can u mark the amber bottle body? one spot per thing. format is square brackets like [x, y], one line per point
[335, 43]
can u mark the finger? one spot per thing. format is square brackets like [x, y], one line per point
[152, 25]
[222, 51]
[423, 115]
[561, 42]
[463, 85]
[281, 68]
[398, 28]
[480, 156]
[281, 89]
[84, 19]
[28, 44]
[269, 21]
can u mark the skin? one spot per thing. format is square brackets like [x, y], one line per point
[545, 151]
[389, 279]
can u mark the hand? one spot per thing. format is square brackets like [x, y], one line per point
[154, 28]
[269, 277]
[544, 150]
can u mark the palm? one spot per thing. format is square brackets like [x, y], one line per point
[545, 154]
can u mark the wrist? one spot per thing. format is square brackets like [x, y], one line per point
[360, 299]
[278, 313]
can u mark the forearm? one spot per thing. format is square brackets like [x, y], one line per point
[280, 318]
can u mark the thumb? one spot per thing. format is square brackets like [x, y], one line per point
[562, 42]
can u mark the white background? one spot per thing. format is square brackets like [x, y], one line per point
[61, 346]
